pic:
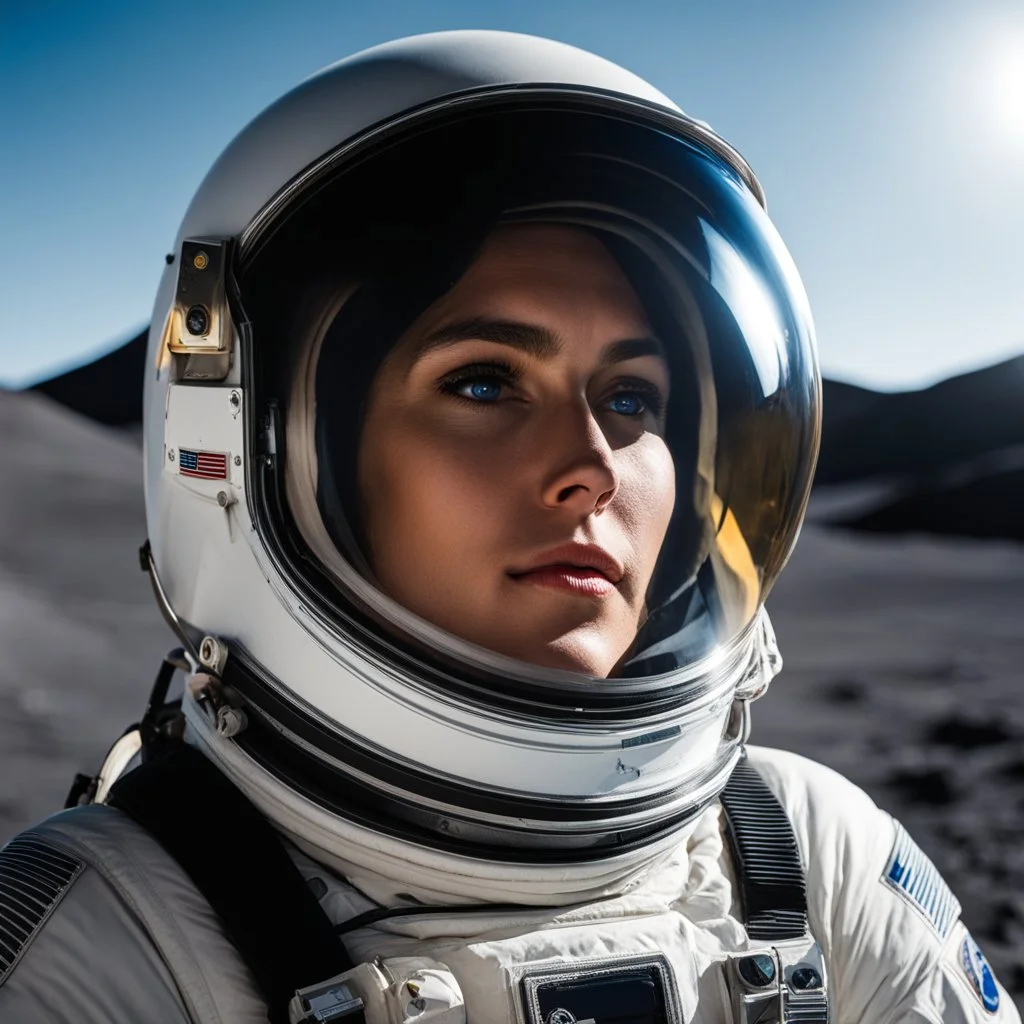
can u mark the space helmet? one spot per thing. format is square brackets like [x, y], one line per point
[335, 222]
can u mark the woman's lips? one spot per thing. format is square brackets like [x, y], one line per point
[586, 570]
[572, 578]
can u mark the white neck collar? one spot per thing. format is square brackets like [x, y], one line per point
[387, 868]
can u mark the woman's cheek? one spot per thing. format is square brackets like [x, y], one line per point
[648, 481]
[427, 534]
[663, 470]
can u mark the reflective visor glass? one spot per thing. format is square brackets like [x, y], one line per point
[551, 395]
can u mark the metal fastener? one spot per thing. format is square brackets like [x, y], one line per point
[213, 654]
[758, 970]
[804, 979]
[230, 721]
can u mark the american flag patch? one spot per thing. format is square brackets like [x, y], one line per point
[204, 465]
[916, 879]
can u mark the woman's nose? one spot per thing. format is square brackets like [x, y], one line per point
[583, 479]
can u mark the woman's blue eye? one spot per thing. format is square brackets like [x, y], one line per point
[481, 390]
[627, 403]
[481, 383]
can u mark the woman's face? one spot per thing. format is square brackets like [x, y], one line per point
[515, 480]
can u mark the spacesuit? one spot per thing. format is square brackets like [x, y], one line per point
[495, 828]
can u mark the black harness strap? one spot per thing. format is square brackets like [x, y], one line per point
[238, 862]
[771, 877]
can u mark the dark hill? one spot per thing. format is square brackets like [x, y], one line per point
[990, 506]
[107, 390]
[952, 455]
[842, 402]
[920, 433]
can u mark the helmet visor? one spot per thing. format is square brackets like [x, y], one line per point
[554, 403]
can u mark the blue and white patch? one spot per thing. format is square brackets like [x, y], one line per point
[916, 879]
[979, 974]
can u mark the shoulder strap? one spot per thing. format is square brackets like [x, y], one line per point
[239, 864]
[771, 877]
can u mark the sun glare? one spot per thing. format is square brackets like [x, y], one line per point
[1008, 92]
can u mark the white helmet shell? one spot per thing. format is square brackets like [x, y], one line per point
[433, 767]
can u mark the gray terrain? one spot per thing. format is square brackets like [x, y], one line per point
[903, 659]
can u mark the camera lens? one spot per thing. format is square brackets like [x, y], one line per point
[197, 320]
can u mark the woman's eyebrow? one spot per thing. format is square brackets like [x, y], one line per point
[532, 339]
[632, 348]
[529, 338]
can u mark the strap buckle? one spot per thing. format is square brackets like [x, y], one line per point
[782, 984]
[327, 1001]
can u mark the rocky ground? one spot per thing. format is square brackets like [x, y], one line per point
[80, 635]
[903, 671]
[903, 659]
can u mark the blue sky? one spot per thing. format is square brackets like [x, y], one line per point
[889, 135]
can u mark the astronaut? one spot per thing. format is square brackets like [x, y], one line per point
[482, 406]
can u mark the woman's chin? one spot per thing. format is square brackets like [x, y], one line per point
[592, 648]
[579, 651]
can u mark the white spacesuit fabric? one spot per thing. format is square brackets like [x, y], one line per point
[131, 939]
[887, 960]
